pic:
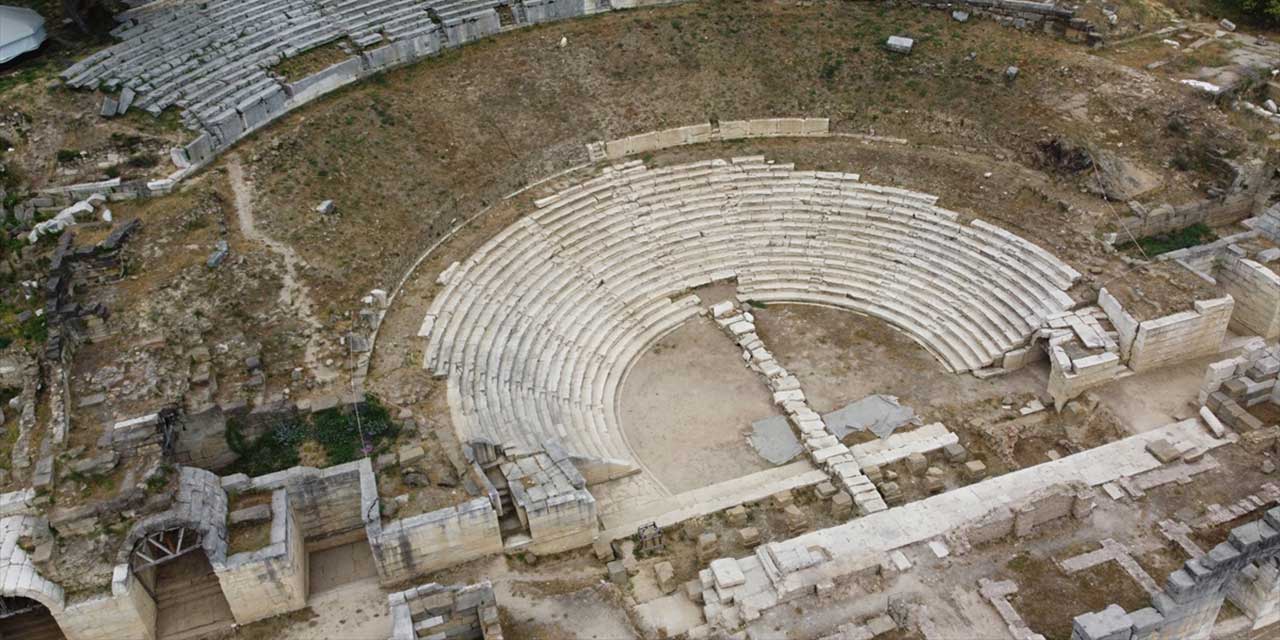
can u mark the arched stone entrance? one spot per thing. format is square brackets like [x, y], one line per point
[26, 619]
[173, 567]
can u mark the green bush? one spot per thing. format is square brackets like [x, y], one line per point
[143, 161]
[1154, 245]
[68, 155]
[336, 430]
[1258, 11]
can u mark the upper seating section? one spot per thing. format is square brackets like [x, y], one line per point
[205, 57]
[537, 329]
[212, 58]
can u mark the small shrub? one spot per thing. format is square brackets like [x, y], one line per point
[143, 161]
[1155, 245]
[35, 330]
[66, 156]
[335, 431]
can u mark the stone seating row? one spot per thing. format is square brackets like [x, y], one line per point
[205, 61]
[211, 58]
[1024, 323]
[537, 328]
[584, 419]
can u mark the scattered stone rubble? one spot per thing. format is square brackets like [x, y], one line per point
[436, 612]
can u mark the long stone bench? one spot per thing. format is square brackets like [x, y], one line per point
[538, 328]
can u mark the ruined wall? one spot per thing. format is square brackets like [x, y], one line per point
[1194, 594]
[1249, 189]
[567, 522]
[1211, 212]
[202, 439]
[1022, 519]
[327, 503]
[273, 580]
[128, 612]
[1256, 592]
[1256, 291]
[1182, 336]
[410, 547]
[1069, 378]
[445, 612]
[1125, 324]
[1051, 504]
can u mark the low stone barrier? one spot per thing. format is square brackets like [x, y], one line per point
[708, 132]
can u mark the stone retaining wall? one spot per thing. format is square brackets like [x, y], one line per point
[1256, 291]
[1182, 336]
[329, 504]
[273, 580]
[411, 547]
[445, 612]
[708, 132]
[128, 612]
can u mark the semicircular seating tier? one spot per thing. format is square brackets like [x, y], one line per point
[537, 330]
[214, 58]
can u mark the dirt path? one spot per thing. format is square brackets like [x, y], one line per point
[293, 295]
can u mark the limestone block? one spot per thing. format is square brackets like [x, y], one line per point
[975, 470]
[955, 452]
[782, 499]
[665, 574]
[257, 513]
[881, 624]
[892, 493]
[1163, 450]
[727, 573]
[841, 506]
[736, 516]
[796, 520]
[917, 463]
[708, 547]
[899, 44]
[749, 537]
[617, 573]
[410, 454]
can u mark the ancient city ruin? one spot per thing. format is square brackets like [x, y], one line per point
[458, 319]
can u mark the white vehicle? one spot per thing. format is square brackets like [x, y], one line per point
[21, 30]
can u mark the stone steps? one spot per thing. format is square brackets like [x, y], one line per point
[537, 329]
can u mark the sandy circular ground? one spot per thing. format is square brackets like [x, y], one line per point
[687, 407]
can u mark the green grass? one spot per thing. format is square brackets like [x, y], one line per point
[1196, 234]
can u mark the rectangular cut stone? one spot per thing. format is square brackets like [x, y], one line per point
[899, 44]
[727, 574]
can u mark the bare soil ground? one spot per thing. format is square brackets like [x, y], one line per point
[687, 408]
[1048, 598]
[1141, 410]
[841, 357]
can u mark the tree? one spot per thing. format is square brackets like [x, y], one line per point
[90, 16]
[1262, 11]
